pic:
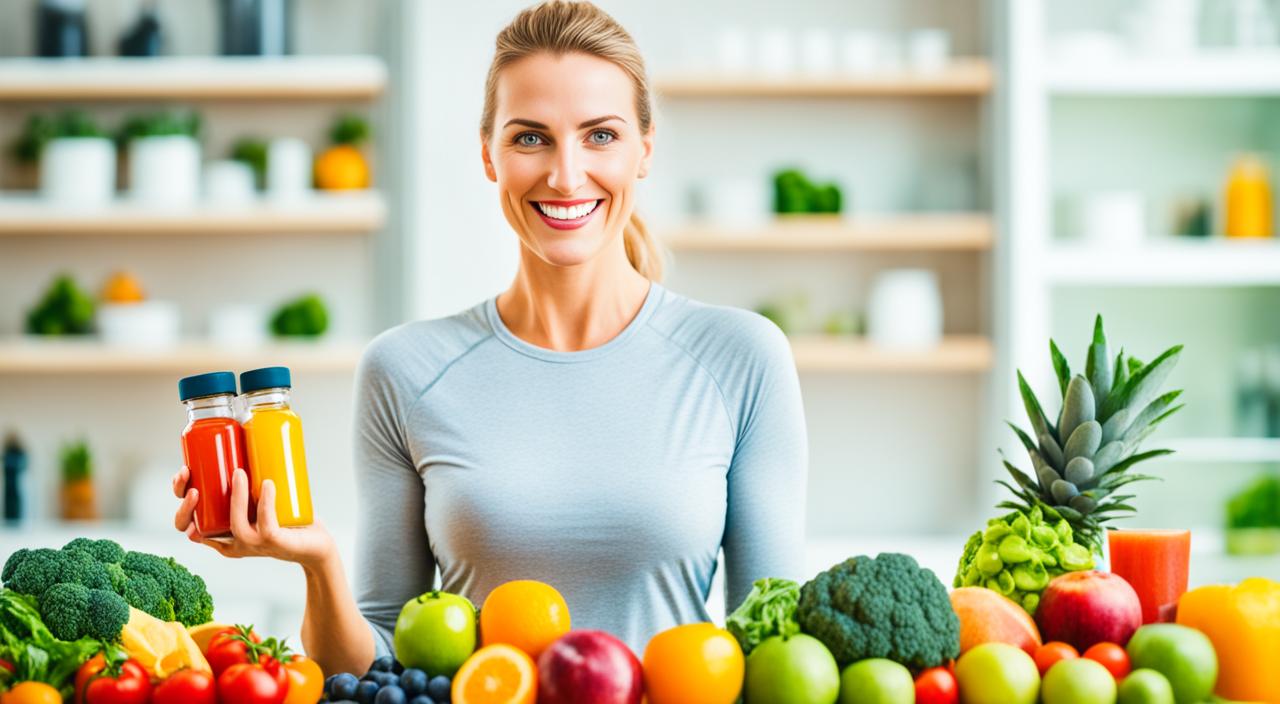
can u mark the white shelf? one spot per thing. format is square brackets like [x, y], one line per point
[955, 354]
[963, 77]
[322, 213]
[1223, 450]
[828, 233]
[1218, 73]
[35, 355]
[1213, 262]
[193, 78]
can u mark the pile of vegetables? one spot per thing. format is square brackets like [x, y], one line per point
[769, 610]
[30, 654]
[86, 588]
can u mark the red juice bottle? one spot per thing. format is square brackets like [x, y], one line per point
[213, 447]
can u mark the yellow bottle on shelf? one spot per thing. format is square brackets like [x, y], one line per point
[273, 439]
[1249, 207]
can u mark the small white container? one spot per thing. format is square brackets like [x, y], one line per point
[739, 202]
[733, 50]
[777, 55]
[905, 310]
[929, 50]
[1113, 218]
[145, 325]
[817, 52]
[860, 52]
[288, 169]
[164, 172]
[228, 183]
[78, 172]
[242, 326]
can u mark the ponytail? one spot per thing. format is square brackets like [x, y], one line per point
[643, 250]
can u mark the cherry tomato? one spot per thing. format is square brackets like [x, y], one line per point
[226, 649]
[6, 665]
[306, 681]
[31, 693]
[937, 686]
[1112, 657]
[1050, 653]
[186, 687]
[99, 683]
[251, 684]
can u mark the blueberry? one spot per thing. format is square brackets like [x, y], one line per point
[383, 664]
[438, 688]
[366, 692]
[344, 686]
[413, 681]
[396, 666]
[391, 694]
[422, 699]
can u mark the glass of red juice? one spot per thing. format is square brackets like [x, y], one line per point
[1155, 563]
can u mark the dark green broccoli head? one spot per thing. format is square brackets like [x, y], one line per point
[143, 592]
[104, 551]
[12, 563]
[32, 571]
[65, 609]
[887, 607]
[192, 604]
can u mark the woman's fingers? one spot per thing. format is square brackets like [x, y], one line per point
[186, 511]
[268, 525]
[180, 482]
[240, 527]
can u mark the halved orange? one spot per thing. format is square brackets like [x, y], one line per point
[496, 674]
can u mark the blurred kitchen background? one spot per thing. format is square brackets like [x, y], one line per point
[920, 192]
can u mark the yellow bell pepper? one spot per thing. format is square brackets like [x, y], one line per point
[1244, 624]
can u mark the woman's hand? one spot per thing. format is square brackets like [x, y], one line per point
[309, 546]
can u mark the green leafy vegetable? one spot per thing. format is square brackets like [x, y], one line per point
[769, 610]
[303, 317]
[36, 654]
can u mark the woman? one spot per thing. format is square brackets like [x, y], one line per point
[586, 428]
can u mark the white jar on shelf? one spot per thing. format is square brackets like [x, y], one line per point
[905, 310]
[78, 172]
[288, 169]
[164, 171]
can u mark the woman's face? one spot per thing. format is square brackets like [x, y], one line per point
[566, 152]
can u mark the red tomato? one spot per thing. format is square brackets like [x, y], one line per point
[306, 681]
[225, 649]
[96, 684]
[1112, 657]
[6, 665]
[937, 686]
[1050, 653]
[252, 684]
[186, 687]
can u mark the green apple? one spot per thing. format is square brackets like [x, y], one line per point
[1145, 687]
[877, 681]
[795, 670]
[1183, 655]
[997, 673]
[1078, 681]
[436, 633]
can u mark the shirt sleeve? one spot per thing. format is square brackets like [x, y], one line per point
[765, 519]
[394, 562]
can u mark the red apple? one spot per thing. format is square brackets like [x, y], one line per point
[1086, 608]
[589, 667]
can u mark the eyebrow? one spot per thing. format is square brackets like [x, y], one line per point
[583, 126]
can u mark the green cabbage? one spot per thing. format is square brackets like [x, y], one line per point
[769, 610]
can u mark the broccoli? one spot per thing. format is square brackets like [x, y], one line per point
[74, 611]
[886, 607]
[89, 585]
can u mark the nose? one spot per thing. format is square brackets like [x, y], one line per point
[566, 174]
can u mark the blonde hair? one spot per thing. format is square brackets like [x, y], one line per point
[561, 27]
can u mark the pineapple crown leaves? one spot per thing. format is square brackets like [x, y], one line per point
[1081, 457]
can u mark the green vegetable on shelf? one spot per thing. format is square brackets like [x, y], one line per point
[350, 129]
[794, 193]
[41, 129]
[769, 610]
[882, 607]
[253, 152]
[65, 309]
[160, 124]
[303, 317]
[1257, 506]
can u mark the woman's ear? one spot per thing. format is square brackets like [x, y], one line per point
[489, 171]
[647, 141]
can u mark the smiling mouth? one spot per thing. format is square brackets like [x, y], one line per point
[567, 213]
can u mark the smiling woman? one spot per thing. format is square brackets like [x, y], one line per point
[586, 427]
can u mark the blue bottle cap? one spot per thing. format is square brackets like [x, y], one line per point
[206, 385]
[265, 378]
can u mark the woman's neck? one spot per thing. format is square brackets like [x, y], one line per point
[568, 309]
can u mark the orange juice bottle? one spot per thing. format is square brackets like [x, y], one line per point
[273, 436]
[1248, 199]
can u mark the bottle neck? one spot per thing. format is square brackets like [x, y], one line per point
[267, 398]
[218, 406]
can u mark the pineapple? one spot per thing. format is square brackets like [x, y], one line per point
[1084, 457]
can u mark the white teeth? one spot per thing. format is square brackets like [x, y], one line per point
[572, 212]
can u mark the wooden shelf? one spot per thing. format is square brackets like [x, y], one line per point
[1209, 73]
[956, 354]
[1211, 262]
[193, 78]
[32, 355]
[801, 233]
[353, 212]
[964, 77]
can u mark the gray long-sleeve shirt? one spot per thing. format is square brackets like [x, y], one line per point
[615, 474]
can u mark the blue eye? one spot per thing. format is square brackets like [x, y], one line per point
[523, 139]
[609, 137]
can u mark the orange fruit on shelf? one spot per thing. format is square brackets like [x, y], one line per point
[697, 663]
[341, 168]
[496, 674]
[123, 287]
[525, 613]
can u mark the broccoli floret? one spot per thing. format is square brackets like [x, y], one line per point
[79, 567]
[104, 551]
[886, 607]
[35, 571]
[143, 592]
[73, 611]
[12, 563]
[192, 604]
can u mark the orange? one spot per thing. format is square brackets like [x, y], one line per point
[496, 674]
[340, 168]
[696, 663]
[123, 287]
[527, 614]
